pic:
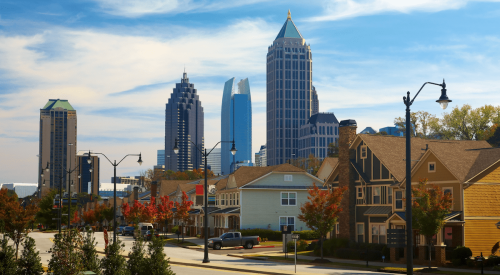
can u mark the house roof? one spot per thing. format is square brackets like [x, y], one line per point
[326, 168]
[323, 118]
[378, 210]
[168, 187]
[464, 158]
[54, 103]
[289, 30]
[230, 210]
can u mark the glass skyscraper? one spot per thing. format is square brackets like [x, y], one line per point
[236, 123]
[289, 92]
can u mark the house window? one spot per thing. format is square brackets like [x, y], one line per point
[448, 190]
[237, 199]
[389, 195]
[337, 230]
[222, 199]
[288, 198]
[359, 192]
[289, 222]
[431, 167]
[288, 178]
[217, 200]
[363, 151]
[399, 199]
[360, 232]
[379, 233]
[376, 195]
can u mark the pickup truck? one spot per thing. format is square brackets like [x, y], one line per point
[232, 239]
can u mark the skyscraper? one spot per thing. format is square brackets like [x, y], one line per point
[236, 123]
[88, 181]
[57, 145]
[160, 157]
[289, 92]
[184, 121]
[213, 160]
[315, 102]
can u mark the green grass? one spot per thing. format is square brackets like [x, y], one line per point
[180, 242]
[272, 243]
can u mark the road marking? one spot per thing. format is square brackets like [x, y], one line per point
[51, 239]
[218, 270]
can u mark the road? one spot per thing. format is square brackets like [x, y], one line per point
[181, 257]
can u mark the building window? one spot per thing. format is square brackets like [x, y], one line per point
[431, 167]
[337, 230]
[222, 201]
[389, 195]
[289, 222]
[363, 151]
[288, 178]
[237, 199]
[379, 233]
[448, 190]
[359, 192]
[376, 195]
[360, 232]
[399, 199]
[288, 198]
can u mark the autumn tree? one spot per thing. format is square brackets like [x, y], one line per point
[76, 219]
[16, 217]
[183, 208]
[66, 254]
[89, 217]
[149, 211]
[165, 210]
[320, 213]
[429, 209]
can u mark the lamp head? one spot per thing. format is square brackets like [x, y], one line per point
[140, 159]
[89, 160]
[47, 168]
[176, 148]
[79, 176]
[443, 100]
[90, 170]
[233, 150]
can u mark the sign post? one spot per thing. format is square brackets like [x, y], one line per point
[285, 231]
[295, 237]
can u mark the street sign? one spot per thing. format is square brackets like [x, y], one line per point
[286, 230]
[396, 238]
[295, 236]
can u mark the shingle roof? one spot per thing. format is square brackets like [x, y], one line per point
[378, 210]
[246, 174]
[327, 166]
[464, 158]
[168, 187]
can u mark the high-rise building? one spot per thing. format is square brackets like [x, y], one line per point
[263, 155]
[315, 102]
[213, 160]
[315, 136]
[289, 92]
[57, 145]
[236, 124]
[88, 181]
[160, 157]
[257, 159]
[184, 121]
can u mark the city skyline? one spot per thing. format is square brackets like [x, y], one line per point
[116, 64]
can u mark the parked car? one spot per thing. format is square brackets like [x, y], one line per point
[232, 239]
[40, 226]
[119, 229]
[148, 235]
[128, 230]
[143, 227]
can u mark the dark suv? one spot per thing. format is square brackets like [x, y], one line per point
[128, 230]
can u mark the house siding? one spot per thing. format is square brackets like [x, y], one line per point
[481, 200]
[298, 179]
[481, 235]
[491, 175]
[441, 174]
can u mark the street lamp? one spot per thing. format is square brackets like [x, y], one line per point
[205, 220]
[114, 183]
[443, 102]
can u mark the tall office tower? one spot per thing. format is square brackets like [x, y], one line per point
[263, 155]
[160, 157]
[236, 123]
[289, 92]
[184, 121]
[315, 136]
[257, 160]
[57, 132]
[89, 180]
[315, 102]
[213, 160]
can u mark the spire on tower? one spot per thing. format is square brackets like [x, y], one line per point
[289, 15]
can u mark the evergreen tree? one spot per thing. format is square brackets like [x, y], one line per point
[137, 261]
[8, 264]
[30, 262]
[67, 257]
[158, 264]
[114, 263]
[91, 261]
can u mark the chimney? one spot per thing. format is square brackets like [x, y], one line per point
[136, 193]
[154, 188]
[347, 219]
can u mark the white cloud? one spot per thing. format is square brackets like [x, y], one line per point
[137, 8]
[342, 9]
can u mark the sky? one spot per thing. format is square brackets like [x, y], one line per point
[117, 61]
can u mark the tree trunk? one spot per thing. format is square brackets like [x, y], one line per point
[321, 244]
[430, 255]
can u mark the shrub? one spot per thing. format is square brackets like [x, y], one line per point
[311, 246]
[175, 228]
[114, 263]
[30, 262]
[157, 263]
[67, 257]
[263, 233]
[307, 234]
[492, 261]
[198, 236]
[462, 253]
[470, 263]
[301, 245]
[136, 263]
[456, 262]
[8, 264]
[91, 261]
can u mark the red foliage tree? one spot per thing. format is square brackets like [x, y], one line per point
[89, 216]
[149, 211]
[320, 213]
[182, 214]
[75, 219]
[165, 210]
[126, 211]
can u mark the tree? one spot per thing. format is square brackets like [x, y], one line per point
[149, 212]
[320, 213]
[165, 210]
[45, 214]
[114, 263]
[494, 139]
[429, 209]
[16, 217]
[333, 150]
[183, 208]
[76, 219]
[157, 264]
[89, 217]
[468, 124]
[30, 262]
[8, 264]
[66, 255]
[91, 261]
[107, 214]
[137, 262]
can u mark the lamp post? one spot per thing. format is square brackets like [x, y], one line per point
[205, 220]
[114, 183]
[443, 101]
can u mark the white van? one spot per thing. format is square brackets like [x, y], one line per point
[143, 228]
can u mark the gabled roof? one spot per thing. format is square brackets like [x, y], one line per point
[54, 103]
[168, 187]
[464, 158]
[327, 167]
[289, 30]
[323, 118]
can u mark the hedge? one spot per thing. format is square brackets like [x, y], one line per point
[277, 236]
[345, 249]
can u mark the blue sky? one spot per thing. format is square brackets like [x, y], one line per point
[117, 61]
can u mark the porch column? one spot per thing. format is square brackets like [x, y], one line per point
[440, 254]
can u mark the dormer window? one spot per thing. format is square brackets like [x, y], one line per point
[363, 153]
[288, 178]
[431, 167]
